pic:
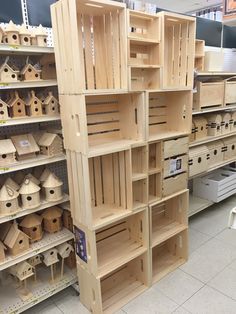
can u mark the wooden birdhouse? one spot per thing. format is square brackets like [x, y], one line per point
[32, 178]
[2, 252]
[1, 34]
[3, 110]
[16, 240]
[7, 153]
[8, 200]
[16, 106]
[52, 219]
[226, 123]
[50, 144]
[41, 36]
[8, 74]
[65, 249]
[22, 270]
[32, 226]
[11, 36]
[214, 124]
[53, 188]
[30, 73]
[50, 257]
[233, 119]
[48, 66]
[30, 195]
[200, 127]
[51, 105]
[25, 145]
[10, 182]
[25, 35]
[46, 172]
[35, 260]
[5, 227]
[33, 105]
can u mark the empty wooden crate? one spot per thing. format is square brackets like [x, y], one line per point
[90, 39]
[230, 91]
[114, 245]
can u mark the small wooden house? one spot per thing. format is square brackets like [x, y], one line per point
[51, 105]
[226, 123]
[25, 35]
[10, 182]
[16, 106]
[53, 188]
[3, 110]
[33, 105]
[25, 145]
[8, 200]
[11, 35]
[8, 74]
[1, 34]
[22, 270]
[16, 240]
[214, 124]
[32, 178]
[30, 73]
[32, 226]
[35, 260]
[50, 144]
[65, 249]
[50, 257]
[200, 124]
[30, 194]
[41, 36]
[7, 153]
[46, 172]
[2, 252]
[233, 119]
[52, 219]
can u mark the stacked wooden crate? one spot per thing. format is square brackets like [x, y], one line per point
[125, 81]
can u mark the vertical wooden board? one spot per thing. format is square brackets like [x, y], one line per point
[123, 49]
[91, 179]
[123, 195]
[108, 48]
[73, 199]
[88, 52]
[116, 49]
[98, 181]
[128, 174]
[177, 53]
[184, 54]
[100, 57]
[107, 176]
[116, 176]
[191, 40]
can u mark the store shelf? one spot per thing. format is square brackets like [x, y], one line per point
[226, 108]
[24, 50]
[10, 302]
[48, 241]
[143, 41]
[211, 139]
[27, 84]
[34, 162]
[24, 212]
[197, 204]
[28, 120]
[216, 74]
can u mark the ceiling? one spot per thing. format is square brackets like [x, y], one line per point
[185, 6]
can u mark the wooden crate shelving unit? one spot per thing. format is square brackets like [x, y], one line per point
[199, 55]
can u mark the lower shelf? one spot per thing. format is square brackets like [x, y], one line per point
[10, 302]
[197, 204]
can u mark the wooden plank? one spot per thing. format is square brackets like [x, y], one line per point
[108, 49]
[184, 54]
[122, 179]
[98, 181]
[177, 54]
[157, 120]
[116, 179]
[104, 117]
[88, 51]
[103, 127]
[97, 108]
[91, 179]
[108, 183]
[115, 49]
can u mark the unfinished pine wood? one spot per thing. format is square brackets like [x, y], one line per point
[200, 127]
[169, 113]
[140, 193]
[174, 184]
[139, 162]
[230, 91]
[168, 218]
[90, 39]
[216, 152]
[155, 157]
[199, 55]
[199, 160]
[154, 187]
[144, 78]
[209, 94]
[175, 147]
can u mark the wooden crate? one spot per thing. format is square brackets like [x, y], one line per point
[200, 127]
[178, 33]
[174, 184]
[139, 162]
[209, 94]
[100, 188]
[230, 92]
[216, 152]
[216, 186]
[141, 54]
[175, 165]
[154, 157]
[90, 39]
[169, 113]
[114, 245]
[174, 147]
[154, 187]
[199, 158]
[214, 61]
[229, 147]
[199, 55]
[169, 255]
[139, 194]
[143, 78]
[95, 125]
[111, 292]
[168, 218]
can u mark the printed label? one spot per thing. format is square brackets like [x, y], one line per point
[24, 143]
[80, 241]
[175, 166]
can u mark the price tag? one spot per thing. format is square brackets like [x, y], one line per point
[2, 85]
[3, 121]
[14, 46]
[4, 169]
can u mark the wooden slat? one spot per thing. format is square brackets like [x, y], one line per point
[97, 108]
[108, 49]
[158, 111]
[108, 183]
[104, 117]
[157, 119]
[103, 127]
[177, 53]
[98, 181]
[88, 52]
[116, 179]
[122, 179]
[91, 177]
[184, 52]
[115, 49]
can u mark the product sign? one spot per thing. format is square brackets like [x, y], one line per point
[80, 241]
[175, 166]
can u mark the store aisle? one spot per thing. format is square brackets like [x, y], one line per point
[205, 284]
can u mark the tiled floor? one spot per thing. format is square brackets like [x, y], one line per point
[205, 284]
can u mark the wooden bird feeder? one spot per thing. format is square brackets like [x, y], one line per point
[52, 219]
[16, 106]
[7, 153]
[25, 145]
[41, 36]
[16, 240]
[22, 270]
[64, 251]
[11, 36]
[3, 110]
[2, 252]
[30, 195]
[33, 105]
[30, 73]
[50, 258]
[50, 144]
[53, 188]
[35, 260]
[32, 226]
[25, 35]
[10, 182]
[51, 105]
[8, 74]
[8, 200]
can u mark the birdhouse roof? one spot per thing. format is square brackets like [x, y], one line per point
[49, 98]
[2, 246]
[12, 184]
[40, 31]
[15, 99]
[10, 68]
[27, 66]
[52, 212]
[22, 270]
[50, 257]
[3, 102]
[46, 172]
[31, 220]
[25, 144]
[31, 98]
[32, 178]
[28, 187]
[5, 227]
[11, 27]
[47, 139]
[7, 193]
[13, 235]
[24, 30]
[52, 181]
[1, 30]
[7, 147]
[65, 249]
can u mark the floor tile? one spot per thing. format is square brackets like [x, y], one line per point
[228, 236]
[208, 260]
[170, 286]
[210, 301]
[225, 282]
[38, 308]
[51, 309]
[71, 302]
[151, 302]
[181, 310]
[196, 239]
[233, 265]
